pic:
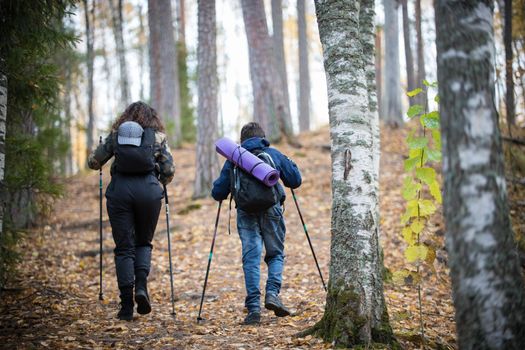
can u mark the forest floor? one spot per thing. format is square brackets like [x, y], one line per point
[53, 302]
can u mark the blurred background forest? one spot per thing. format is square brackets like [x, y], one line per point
[68, 68]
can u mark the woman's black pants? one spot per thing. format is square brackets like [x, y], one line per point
[133, 204]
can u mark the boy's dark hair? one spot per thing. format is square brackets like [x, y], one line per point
[250, 130]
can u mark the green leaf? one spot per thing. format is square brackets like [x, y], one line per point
[416, 253]
[410, 212]
[417, 142]
[428, 84]
[410, 188]
[414, 110]
[426, 207]
[433, 155]
[418, 225]
[408, 235]
[430, 120]
[414, 92]
[406, 277]
[437, 99]
[427, 175]
[435, 191]
[411, 163]
[436, 135]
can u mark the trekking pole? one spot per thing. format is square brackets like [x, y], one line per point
[308, 237]
[100, 293]
[199, 318]
[169, 248]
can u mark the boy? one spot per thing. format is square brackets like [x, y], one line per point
[264, 227]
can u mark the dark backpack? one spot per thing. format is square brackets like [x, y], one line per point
[131, 159]
[250, 194]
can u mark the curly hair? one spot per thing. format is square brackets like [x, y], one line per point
[142, 114]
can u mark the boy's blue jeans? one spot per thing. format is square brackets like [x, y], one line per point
[254, 230]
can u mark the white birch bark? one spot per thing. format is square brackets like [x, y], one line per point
[207, 114]
[304, 70]
[487, 282]
[355, 311]
[392, 112]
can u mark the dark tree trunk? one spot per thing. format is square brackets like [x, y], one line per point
[487, 282]
[3, 121]
[164, 79]
[509, 81]
[408, 50]
[117, 21]
[269, 106]
[421, 74]
[355, 311]
[181, 22]
[142, 51]
[207, 114]
[90, 59]
[304, 70]
[278, 48]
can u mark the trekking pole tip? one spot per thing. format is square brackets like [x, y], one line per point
[100, 296]
[200, 319]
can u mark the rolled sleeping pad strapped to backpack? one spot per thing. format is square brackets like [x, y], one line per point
[247, 161]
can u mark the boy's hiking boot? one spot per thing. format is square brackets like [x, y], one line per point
[253, 318]
[142, 297]
[272, 302]
[126, 305]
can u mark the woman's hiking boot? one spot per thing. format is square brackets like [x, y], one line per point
[272, 302]
[126, 304]
[253, 318]
[141, 295]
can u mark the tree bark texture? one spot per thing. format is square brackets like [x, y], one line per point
[207, 115]
[391, 101]
[355, 311]
[141, 50]
[268, 98]
[509, 81]
[164, 80]
[90, 60]
[379, 66]
[117, 21]
[181, 22]
[408, 49]
[304, 69]
[278, 48]
[421, 74]
[3, 121]
[487, 284]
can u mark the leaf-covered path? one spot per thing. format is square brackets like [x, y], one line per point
[53, 302]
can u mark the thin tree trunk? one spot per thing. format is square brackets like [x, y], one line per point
[3, 121]
[269, 105]
[164, 80]
[391, 101]
[207, 162]
[90, 59]
[117, 20]
[408, 50]
[68, 161]
[304, 70]
[181, 22]
[487, 284]
[355, 312]
[278, 48]
[141, 49]
[421, 74]
[509, 81]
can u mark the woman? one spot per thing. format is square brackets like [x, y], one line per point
[134, 197]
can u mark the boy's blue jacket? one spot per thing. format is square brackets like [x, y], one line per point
[290, 175]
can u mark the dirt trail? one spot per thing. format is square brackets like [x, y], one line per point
[53, 303]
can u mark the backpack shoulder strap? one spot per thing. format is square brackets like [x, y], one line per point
[267, 157]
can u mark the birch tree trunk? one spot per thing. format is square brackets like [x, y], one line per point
[269, 105]
[207, 162]
[355, 311]
[117, 21]
[391, 101]
[408, 50]
[421, 74]
[379, 67]
[164, 80]
[90, 59]
[278, 48]
[3, 121]
[487, 283]
[304, 70]
[509, 81]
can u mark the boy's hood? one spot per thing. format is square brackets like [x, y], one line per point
[255, 143]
